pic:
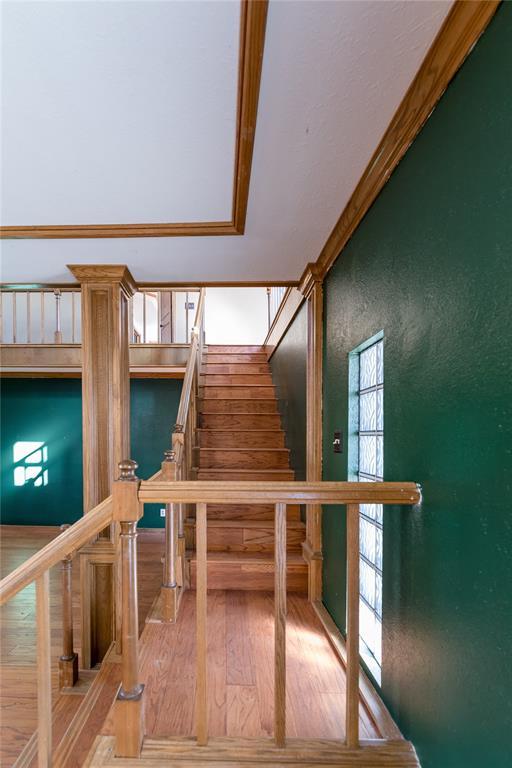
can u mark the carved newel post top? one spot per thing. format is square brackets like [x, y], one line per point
[178, 428]
[169, 455]
[127, 469]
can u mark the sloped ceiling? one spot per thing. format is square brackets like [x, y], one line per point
[126, 112]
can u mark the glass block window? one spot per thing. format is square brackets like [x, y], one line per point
[371, 469]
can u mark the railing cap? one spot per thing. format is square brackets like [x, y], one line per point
[127, 469]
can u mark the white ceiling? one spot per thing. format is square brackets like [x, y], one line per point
[333, 75]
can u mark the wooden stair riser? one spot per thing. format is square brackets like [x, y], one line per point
[251, 458]
[240, 421]
[234, 536]
[249, 512]
[248, 576]
[238, 406]
[233, 359]
[235, 379]
[245, 438]
[277, 475]
[234, 368]
[234, 349]
[237, 392]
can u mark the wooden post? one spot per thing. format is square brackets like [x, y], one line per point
[68, 662]
[311, 287]
[352, 705]
[105, 291]
[169, 589]
[201, 592]
[280, 626]
[44, 676]
[128, 710]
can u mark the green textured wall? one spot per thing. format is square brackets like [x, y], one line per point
[154, 407]
[288, 365]
[431, 265]
[50, 410]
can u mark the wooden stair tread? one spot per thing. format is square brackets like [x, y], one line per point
[292, 558]
[245, 450]
[243, 523]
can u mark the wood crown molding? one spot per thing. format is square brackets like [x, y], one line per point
[461, 29]
[253, 18]
[105, 273]
[310, 276]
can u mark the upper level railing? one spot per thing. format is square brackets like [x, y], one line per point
[125, 507]
[52, 315]
[275, 297]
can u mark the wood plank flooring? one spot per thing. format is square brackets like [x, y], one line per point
[241, 671]
[240, 662]
[18, 706]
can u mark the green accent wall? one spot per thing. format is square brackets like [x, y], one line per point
[289, 365]
[153, 410]
[431, 266]
[50, 411]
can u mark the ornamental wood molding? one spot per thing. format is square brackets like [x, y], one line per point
[105, 273]
[462, 28]
[253, 19]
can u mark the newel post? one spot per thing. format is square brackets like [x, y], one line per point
[169, 589]
[128, 711]
[68, 661]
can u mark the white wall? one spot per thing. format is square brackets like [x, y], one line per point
[236, 315]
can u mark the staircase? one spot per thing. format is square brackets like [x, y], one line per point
[240, 438]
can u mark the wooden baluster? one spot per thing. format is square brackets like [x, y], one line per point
[201, 587]
[352, 704]
[280, 626]
[44, 677]
[169, 589]
[128, 711]
[58, 331]
[68, 662]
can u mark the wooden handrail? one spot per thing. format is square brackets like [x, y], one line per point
[220, 492]
[73, 538]
[349, 494]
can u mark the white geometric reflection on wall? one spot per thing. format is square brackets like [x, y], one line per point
[30, 459]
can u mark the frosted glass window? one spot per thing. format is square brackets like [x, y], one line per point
[371, 469]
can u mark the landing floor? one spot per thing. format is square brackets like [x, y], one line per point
[240, 632]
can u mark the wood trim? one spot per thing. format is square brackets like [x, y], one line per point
[314, 401]
[371, 700]
[464, 24]
[253, 21]
[247, 492]
[252, 37]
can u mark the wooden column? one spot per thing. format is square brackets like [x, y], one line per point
[106, 290]
[311, 287]
[128, 709]
[280, 625]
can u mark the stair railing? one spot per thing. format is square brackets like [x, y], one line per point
[37, 569]
[179, 464]
[128, 504]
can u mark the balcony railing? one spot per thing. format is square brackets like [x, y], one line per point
[52, 315]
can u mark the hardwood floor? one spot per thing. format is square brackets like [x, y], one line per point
[241, 671]
[18, 707]
[240, 662]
